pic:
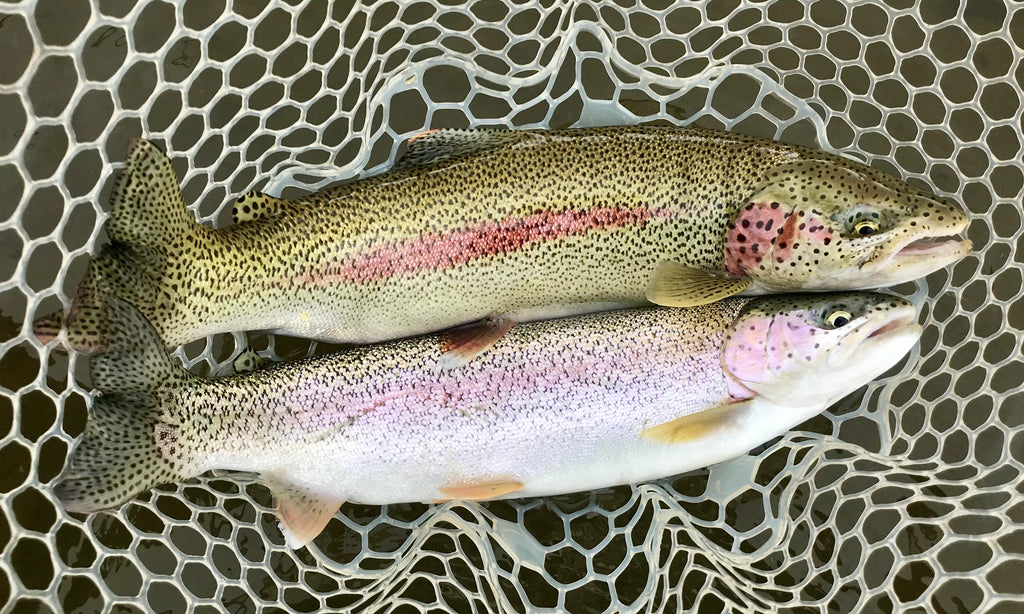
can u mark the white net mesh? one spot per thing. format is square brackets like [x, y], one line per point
[905, 497]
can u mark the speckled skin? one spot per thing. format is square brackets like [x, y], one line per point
[557, 406]
[533, 225]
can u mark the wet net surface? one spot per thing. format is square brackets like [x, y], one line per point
[907, 496]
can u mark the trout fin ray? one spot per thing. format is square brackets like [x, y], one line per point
[676, 285]
[462, 344]
[441, 144]
[480, 491]
[130, 356]
[303, 514]
[132, 441]
[48, 327]
[695, 426]
[255, 205]
[148, 260]
[148, 208]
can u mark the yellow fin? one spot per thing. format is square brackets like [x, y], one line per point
[303, 514]
[464, 343]
[677, 285]
[692, 427]
[481, 491]
[255, 205]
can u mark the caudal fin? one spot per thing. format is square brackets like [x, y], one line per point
[128, 445]
[148, 209]
[151, 231]
[126, 449]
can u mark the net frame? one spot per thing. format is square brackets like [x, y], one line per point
[906, 496]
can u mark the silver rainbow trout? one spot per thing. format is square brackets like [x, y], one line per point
[485, 228]
[555, 406]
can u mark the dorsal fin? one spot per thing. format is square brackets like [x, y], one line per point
[440, 144]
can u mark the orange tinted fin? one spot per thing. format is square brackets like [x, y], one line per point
[693, 427]
[464, 343]
[303, 513]
[481, 491]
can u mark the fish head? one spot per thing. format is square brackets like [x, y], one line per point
[834, 225]
[811, 349]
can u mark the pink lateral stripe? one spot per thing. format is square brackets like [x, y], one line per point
[433, 251]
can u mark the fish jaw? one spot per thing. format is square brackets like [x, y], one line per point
[782, 348]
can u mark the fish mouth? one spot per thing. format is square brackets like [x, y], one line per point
[918, 258]
[892, 325]
[951, 247]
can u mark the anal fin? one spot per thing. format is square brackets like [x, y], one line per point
[481, 491]
[677, 285]
[254, 205]
[464, 343]
[693, 427]
[303, 513]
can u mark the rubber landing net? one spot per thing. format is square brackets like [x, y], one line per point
[904, 497]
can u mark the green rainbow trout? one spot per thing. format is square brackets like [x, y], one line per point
[485, 228]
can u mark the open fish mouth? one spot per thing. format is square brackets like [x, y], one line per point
[931, 247]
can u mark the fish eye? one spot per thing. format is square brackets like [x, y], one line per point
[865, 227]
[838, 317]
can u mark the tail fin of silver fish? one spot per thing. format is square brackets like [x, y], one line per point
[128, 445]
[149, 228]
[119, 455]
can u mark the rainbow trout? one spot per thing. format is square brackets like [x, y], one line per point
[555, 406]
[485, 228]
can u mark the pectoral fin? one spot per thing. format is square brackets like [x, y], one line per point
[693, 427]
[255, 205]
[481, 491]
[677, 285]
[464, 343]
[303, 514]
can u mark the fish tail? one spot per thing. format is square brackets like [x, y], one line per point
[124, 451]
[151, 233]
[130, 444]
[148, 209]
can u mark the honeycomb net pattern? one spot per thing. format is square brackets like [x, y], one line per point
[904, 497]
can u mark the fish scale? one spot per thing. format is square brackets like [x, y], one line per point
[520, 225]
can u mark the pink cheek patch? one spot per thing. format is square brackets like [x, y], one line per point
[764, 230]
[789, 342]
[744, 354]
[751, 236]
